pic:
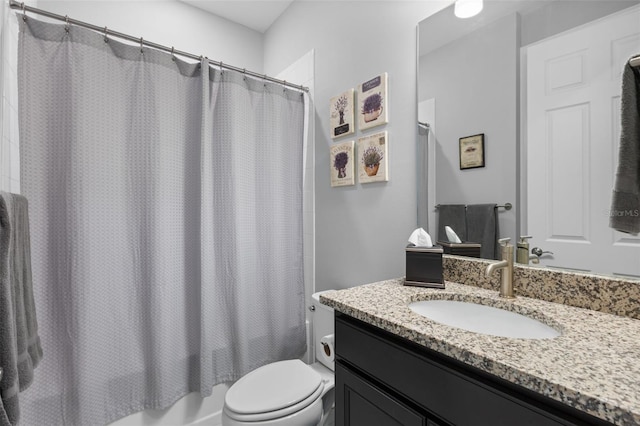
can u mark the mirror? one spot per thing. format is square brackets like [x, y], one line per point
[520, 73]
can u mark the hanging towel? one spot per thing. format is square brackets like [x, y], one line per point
[625, 204]
[20, 349]
[482, 227]
[452, 215]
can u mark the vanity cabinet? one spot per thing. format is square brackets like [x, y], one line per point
[383, 379]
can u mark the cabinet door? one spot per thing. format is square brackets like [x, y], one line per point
[360, 403]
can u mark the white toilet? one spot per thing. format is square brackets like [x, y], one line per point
[288, 393]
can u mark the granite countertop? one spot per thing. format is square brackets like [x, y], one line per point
[593, 366]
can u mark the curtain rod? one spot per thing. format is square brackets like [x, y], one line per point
[107, 32]
[635, 62]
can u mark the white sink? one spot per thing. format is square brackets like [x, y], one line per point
[483, 319]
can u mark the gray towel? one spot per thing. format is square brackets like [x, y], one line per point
[20, 350]
[625, 203]
[482, 227]
[452, 215]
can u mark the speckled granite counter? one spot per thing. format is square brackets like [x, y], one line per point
[593, 366]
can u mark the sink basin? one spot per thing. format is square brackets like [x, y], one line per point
[483, 319]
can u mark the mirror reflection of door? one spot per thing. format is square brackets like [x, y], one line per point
[573, 85]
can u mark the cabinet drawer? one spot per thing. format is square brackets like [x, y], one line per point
[443, 386]
[362, 403]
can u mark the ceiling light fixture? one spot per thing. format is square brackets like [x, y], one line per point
[467, 8]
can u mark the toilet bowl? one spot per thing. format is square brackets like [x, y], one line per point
[290, 392]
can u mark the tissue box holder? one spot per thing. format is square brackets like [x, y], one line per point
[461, 249]
[424, 266]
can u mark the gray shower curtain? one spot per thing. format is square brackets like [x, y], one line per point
[166, 207]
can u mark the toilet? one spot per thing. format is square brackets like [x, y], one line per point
[288, 393]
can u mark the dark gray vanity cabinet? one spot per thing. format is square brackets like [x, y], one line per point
[382, 379]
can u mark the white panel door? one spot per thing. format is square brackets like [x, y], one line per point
[572, 136]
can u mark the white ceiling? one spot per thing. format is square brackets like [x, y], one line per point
[255, 14]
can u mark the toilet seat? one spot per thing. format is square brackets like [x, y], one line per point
[272, 391]
[272, 415]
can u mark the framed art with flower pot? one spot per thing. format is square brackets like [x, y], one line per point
[472, 152]
[372, 102]
[341, 115]
[342, 164]
[373, 158]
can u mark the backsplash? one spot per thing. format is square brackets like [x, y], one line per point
[605, 294]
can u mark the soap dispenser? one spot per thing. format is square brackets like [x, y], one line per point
[522, 251]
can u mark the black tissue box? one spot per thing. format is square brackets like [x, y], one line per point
[461, 249]
[424, 266]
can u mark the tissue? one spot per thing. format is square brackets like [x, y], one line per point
[451, 235]
[328, 351]
[420, 238]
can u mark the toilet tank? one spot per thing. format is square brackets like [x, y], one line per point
[322, 328]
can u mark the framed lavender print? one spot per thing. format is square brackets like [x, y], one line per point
[341, 114]
[373, 158]
[342, 161]
[372, 102]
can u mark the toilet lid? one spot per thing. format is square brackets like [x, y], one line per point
[273, 387]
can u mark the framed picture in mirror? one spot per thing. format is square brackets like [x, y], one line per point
[472, 152]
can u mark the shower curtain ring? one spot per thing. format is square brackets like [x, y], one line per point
[24, 12]
[284, 85]
[106, 35]
[173, 58]
[141, 46]
[66, 20]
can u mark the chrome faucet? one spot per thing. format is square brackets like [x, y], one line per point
[506, 265]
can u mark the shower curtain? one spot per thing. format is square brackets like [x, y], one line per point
[166, 207]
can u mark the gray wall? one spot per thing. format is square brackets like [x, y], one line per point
[361, 231]
[170, 23]
[474, 82]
